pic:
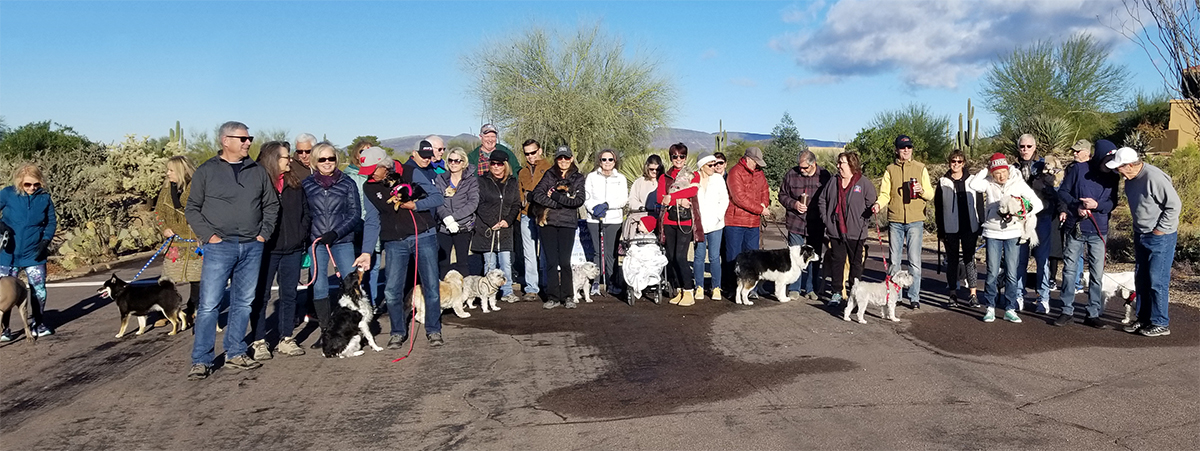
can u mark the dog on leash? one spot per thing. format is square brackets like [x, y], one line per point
[782, 266]
[883, 294]
[1113, 284]
[1014, 209]
[582, 276]
[140, 300]
[350, 322]
[452, 296]
[14, 293]
[483, 288]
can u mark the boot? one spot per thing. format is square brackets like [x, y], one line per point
[323, 312]
[716, 294]
[699, 296]
[687, 299]
[678, 296]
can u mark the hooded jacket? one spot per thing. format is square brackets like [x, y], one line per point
[385, 222]
[859, 198]
[995, 226]
[1089, 180]
[32, 219]
[564, 206]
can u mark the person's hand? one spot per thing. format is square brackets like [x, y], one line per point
[801, 207]
[363, 261]
[410, 205]
[260, 239]
[214, 239]
[1062, 217]
[766, 212]
[43, 250]
[167, 233]
[666, 199]
[451, 224]
[328, 237]
[875, 208]
[917, 190]
[685, 203]
[1083, 212]
[503, 224]
[1159, 232]
[1089, 203]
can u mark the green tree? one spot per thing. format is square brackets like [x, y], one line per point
[876, 143]
[781, 154]
[35, 137]
[1072, 80]
[581, 90]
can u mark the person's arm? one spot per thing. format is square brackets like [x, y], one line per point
[370, 227]
[1168, 220]
[785, 192]
[593, 190]
[305, 214]
[1066, 192]
[871, 196]
[1107, 201]
[470, 201]
[939, 215]
[539, 192]
[823, 203]
[979, 182]
[346, 227]
[927, 191]
[512, 209]
[738, 195]
[885, 191]
[573, 199]
[1035, 202]
[433, 198]
[51, 221]
[619, 199]
[270, 212]
[195, 204]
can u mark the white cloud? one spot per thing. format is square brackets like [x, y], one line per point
[744, 81]
[795, 14]
[936, 43]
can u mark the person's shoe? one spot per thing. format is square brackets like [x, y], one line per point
[7, 336]
[1011, 316]
[198, 372]
[699, 295]
[435, 339]
[990, 315]
[1155, 331]
[242, 362]
[973, 301]
[549, 305]
[510, 298]
[317, 344]
[793, 295]
[531, 297]
[288, 346]
[678, 297]
[952, 301]
[914, 305]
[397, 341]
[261, 350]
[42, 331]
[811, 295]
[1133, 327]
[1063, 320]
[753, 295]
[835, 300]
[1042, 307]
[569, 304]
[1096, 323]
[595, 289]
[379, 309]
[716, 294]
[687, 299]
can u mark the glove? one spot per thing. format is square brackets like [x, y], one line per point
[43, 250]
[600, 210]
[328, 238]
[451, 224]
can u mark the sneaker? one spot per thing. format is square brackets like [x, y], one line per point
[716, 294]
[1155, 331]
[811, 295]
[1053, 286]
[973, 302]
[753, 295]
[7, 336]
[549, 305]
[510, 298]
[288, 346]
[835, 299]
[435, 339]
[198, 372]
[1063, 320]
[397, 341]
[531, 297]
[914, 305]
[595, 289]
[261, 350]
[1095, 323]
[242, 362]
[1042, 307]
[793, 295]
[1133, 327]
[1011, 316]
[952, 301]
[379, 309]
[990, 315]
[569, 304]
[317, 344]
[42, 331]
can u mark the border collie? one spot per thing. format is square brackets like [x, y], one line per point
[350, 321]
[782, 266]
[140, 300]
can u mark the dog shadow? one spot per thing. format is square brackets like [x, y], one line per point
[82, 308]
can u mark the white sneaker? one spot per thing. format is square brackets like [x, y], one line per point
[1043, 307]
[261, 350]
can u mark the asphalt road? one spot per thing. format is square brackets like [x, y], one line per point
[611, 376]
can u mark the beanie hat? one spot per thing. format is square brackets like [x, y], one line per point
[649, 222]
[997, 162]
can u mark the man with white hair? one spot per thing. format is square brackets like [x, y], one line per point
[1033, 169]
[302, 156]
[439, 149]
[1155, 206]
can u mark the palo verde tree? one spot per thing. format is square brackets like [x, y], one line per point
[930, 134]
[780, 155]
[581, 90]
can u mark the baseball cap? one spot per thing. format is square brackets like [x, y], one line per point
[903, 141]
[488, 128]
[425, 149]
[997, 162]
[755, 154]
[1082, 144]
[1124, 156]
[563, 151]
[498, 156]
[370, 158]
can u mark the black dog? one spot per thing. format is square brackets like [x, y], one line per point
[403, 192]
[350, 322]
[139, 301]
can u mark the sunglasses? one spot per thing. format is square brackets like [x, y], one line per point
[454, 160]
[678, 157]
[1026, 146]
[957, 161]
[905, 148]
[561, 158]
[1080, 150]
[607, 160]
[532, 153]
[805, 168]
[652, 169]
[245, 139]
[327, 160]
[303, 151]
[33, 185]
[711, 165]
[720, 163]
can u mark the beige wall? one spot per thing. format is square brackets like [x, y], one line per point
[1181, 130]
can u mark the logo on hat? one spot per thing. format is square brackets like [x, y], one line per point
[488, 128]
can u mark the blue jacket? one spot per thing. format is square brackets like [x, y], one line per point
[386, 223]
[1093, 181]
[32, 220]
[334, 209]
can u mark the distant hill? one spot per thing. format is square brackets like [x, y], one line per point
[662, 139]
[409, 143]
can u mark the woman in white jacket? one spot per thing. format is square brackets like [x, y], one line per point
[1001, 231]
[956, 208]
[607, 193]
[712, 198]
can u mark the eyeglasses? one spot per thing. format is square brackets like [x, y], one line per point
[905, 148]
[33, 185]
[1026, 146]
[652, 169]
[607, 160]
[1080, 150]
[719, 163]
[805, 168]
[326, 159]
[561, 158]
[454, 160]
[303, 151]
[245, 139]
[443, 149]
[711, 165]
[678, 157]
[957, 161]
[532, 153]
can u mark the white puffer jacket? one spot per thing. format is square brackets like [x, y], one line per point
[599, 189]
[1016, 186]
[713, 201]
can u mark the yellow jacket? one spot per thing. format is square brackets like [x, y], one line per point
[892, 196]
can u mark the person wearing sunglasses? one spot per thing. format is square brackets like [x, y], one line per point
[1032, 168]
[528, 178]
[801, 188]
[439, 152]
[607, 193]
[642, 195]
[712, 200]
[1089, 194]
[302, 155]
[1081, 152]
[499, 205]
[28, 220]
[560, 191]
[233, 207]
[358, 171]
[749, 198]
[903, 192]
[956, 211]
[181, 264]
[675, 199]
[460, 190]
[719, 165]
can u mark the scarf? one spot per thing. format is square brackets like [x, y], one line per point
[839, 212]
[279, 183]
[327, 181]
[175, 193]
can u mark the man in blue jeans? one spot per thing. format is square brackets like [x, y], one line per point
[1033, 169]
[802, 186]
[1155, 207]
[1089, 193]
[904, 191]
[232, 206]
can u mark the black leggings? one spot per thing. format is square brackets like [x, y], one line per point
[556, 246]
[835, 262]
[960, 249]
[461, 243]
[679, 271]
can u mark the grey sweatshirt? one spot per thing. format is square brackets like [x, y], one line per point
[232, 205]
[1153, 201]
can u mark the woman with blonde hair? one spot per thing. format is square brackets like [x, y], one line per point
[334, 206]
[460, 191]
[28, 221]
[180, 263]
[499, 205]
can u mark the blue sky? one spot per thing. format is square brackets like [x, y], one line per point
[390, 69]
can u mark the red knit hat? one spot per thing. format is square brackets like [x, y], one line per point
[649, 223]
[997, 162]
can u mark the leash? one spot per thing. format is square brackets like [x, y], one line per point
[416, 262]
[159, 251]
[312, 250]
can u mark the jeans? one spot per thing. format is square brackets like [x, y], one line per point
[37, 278]
[1041, 257]
[459, 244]
[738, 239]
[1153, 255]
[1073, 252]
[287, 266]
[397, 253]
[811, 281]
[910, 236]
[711, 247]
[1001, 252]
[223, 261]
[374, 294]
[343, 258]
[529, 247]
[556, 246]
[489, 263]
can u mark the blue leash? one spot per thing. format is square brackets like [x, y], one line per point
[159, 251]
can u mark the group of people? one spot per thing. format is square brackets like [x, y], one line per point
[246, 224]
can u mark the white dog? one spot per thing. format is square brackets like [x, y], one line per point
[582, 276]
[1115, 283]
[483, 288]
[1015, 207]
[883, 294]
[451, 293]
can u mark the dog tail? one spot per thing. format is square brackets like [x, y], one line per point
[453, 277]
[165, 281]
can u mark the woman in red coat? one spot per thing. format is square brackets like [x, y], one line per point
[675, 200]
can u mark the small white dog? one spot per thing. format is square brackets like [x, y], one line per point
[1015, 207]
[483, 288]
[582, 276]
[1115, 283]
[451, 295]
[883, 294]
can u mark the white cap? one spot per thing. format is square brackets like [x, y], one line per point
[1123, 156]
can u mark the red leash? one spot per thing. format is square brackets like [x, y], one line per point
[887, 280]
[313, 273]
[416, 262]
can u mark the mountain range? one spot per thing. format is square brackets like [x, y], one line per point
[663, 138]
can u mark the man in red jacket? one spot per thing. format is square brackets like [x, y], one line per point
[749, 197]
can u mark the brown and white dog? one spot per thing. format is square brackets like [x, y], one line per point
[14, 293]
[451, 293]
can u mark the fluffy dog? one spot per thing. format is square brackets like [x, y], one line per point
[539, 212]
[883, 294]
[483, 288]
[582, 276]
[1014, 209]
[139, 301]
[349, 323]
[452, 295]
[782, 266]
[14, 293]
[1115, 283]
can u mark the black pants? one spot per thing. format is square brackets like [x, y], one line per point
[460, 245]
[556, 246]
[287, 267]
[835, 262]
[612, 233]
[960, 258]
[679, 269]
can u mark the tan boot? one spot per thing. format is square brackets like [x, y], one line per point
[699, 296]
[687, 299]
[678, 296]
[716, 295]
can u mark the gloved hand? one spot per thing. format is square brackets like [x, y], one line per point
[600, 210]
[43, 250]
[8, 238]
[329, 237]
[451, 224]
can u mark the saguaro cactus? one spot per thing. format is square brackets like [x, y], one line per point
[175, 135]
[722, 137]
[967, 139]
